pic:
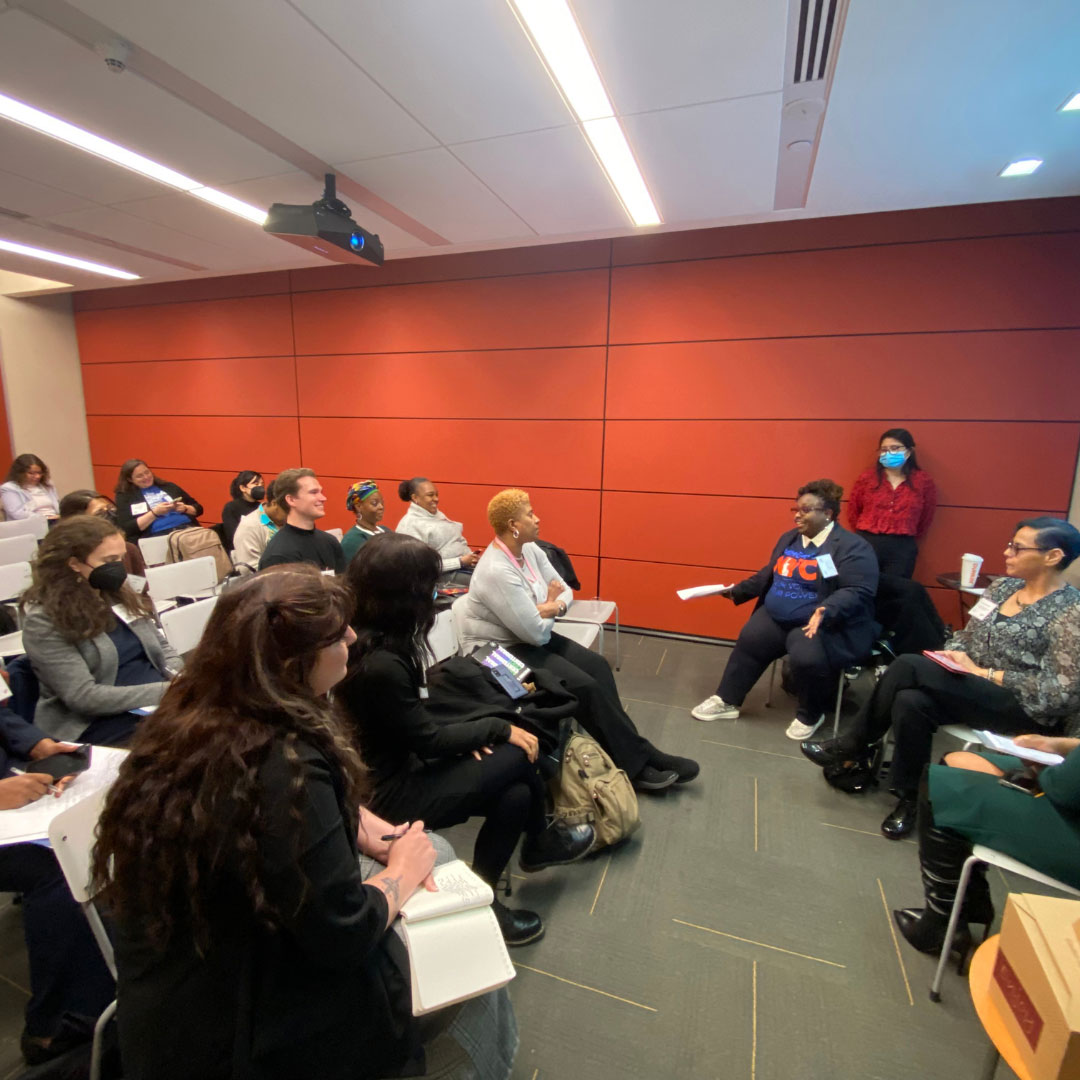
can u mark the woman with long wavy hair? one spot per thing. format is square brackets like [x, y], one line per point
[91, 640]
[247, 941]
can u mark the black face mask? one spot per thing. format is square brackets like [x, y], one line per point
[108, 577]
[257, 494]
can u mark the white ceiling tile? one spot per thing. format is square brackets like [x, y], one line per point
[75, 85]
[266, 58]
[551, 178]
[682, 52]
[709, 161]
[435, 188]
[464, 68]
[34, 198]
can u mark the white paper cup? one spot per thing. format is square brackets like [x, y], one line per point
[970, 565]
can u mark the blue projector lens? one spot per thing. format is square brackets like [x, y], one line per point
[356, 241]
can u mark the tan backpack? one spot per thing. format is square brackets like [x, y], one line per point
[588, 788]
[195, 543]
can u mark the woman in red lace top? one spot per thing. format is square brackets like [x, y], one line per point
[892, 503]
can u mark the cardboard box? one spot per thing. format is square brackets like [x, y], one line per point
[1035, 984]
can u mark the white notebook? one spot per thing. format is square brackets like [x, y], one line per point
[456, 950]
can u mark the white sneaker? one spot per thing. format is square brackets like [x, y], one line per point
[714, 708]
[799, 731]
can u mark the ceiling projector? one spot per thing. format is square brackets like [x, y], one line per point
[325, 227]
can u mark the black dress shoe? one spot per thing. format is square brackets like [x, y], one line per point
[687, 768]
[823, 752]
[651, 779]
[902, 820]
[517, 925]
[924, 930]
[559, 843]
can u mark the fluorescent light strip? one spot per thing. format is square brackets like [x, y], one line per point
[1072, 105]
[56, 128]
[65, 260]
[557, 38]
[1024, 167]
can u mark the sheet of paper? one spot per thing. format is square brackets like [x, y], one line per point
[459, 888]
[30, 823]
[1005, 745]
[702, 590]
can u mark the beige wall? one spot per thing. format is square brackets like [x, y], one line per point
[39, 361]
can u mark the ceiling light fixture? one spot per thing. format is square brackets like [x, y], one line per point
[1024, 167]
[1071, 105]
[55, 128]
[557, 38]
[65, 260]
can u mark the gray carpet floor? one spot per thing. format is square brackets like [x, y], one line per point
[744, 932]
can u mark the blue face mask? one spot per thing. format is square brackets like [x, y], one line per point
[894, 459]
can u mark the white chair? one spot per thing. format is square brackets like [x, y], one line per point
[11, 644]
[16, 549]
[36, 526]
[184, 626]
[980, 854]
[15, 578]
[155, 549]
[965, 734]
[72, 837]
[194, 577]
[336, 533]
[584, 633]
[442, 641]
[596, 612]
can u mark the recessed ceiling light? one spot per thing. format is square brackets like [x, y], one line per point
[1024, 167]
[1072, 105]
[56, 128]
[556, 36]
[65, 260]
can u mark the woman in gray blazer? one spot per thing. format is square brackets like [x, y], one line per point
[91, 640]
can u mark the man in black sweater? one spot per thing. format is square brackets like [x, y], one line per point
[300, 495]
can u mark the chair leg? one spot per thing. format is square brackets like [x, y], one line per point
[600, 639]
[99, 1031]
[839, 703]
[950, 932]
[618, 660]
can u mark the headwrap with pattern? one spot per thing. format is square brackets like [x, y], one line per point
[358, 493]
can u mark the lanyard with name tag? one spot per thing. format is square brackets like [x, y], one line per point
[982, 609]
[826, 566]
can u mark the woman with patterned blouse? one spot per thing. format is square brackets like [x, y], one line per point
[892, 503]
[1020, 652]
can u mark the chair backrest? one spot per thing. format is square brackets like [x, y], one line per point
[184, 626]
[16, 549]
[15, 578]
[337, 533]
[195, 575]
[35, 525]
[442, 641]
[72, 836]
[583, 633]
[155, 549]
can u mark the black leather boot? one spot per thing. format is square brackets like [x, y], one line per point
[518, 926]
[558, 843]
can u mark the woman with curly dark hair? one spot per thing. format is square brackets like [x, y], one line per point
[442, 772]
[27, 490]
[91, 640]
[247, 942]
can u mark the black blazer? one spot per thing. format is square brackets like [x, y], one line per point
[125, 519]
[325, 996]
[848, 628]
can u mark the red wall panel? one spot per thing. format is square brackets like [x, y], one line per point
[226, 443]
[932, 376]
[508, 453]
[972, 463]
[492, 313]
[255, 326]
[542, 383]
[248, 386]
[1002, 282]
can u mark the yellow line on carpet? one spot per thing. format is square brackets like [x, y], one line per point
[755, 814]
[11, 982]
[751, 941]
[663, 657]
[753, 1029]
[600, 886]
[753, 750]
[864, 832]
[582, 986]
[536, 1073]
[896, 943]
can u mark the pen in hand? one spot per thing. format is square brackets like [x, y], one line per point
[53, 789]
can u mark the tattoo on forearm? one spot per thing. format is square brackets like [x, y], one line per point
[392, 887]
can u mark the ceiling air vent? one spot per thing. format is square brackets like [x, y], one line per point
[816, 21]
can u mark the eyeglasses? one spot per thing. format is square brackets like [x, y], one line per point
[1017, 548]
[802, 511]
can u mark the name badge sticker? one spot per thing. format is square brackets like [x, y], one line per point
[138, 508]
[423, 693]
[826, 567]
[984, 607]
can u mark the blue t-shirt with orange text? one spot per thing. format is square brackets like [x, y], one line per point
[793, 595]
